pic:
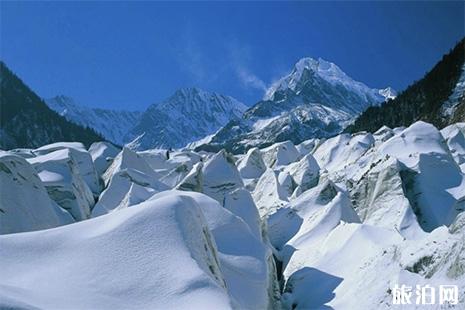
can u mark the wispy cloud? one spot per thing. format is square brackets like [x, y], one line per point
[248, 79]
[240, 56]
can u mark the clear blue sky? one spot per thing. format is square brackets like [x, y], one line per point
[128, 55]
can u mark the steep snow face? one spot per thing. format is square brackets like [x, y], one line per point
[252, 165]
[455, 138]
[330, 73]
[24, 202]
[60, 173]
[129, 181]
[160, 254]
[111, 124]
[188, 115]
[448, 108]
[102, 154]
[316, 100]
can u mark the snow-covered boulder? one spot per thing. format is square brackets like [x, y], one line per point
[280, 154]
[24, 202]
[102, 154]
[268, 194]
[130, 181]
[60, 172]
[252, 166]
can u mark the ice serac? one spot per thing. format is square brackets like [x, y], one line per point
[316, 100]
[269, 195]
[280, 154]
[188, 115]
[220, 176]
[62, 172]
[81, 158]
[108, 262]
[455, 138]
[111, 124]
[24, 203]
[433, 182]
[305, 174]
[244, 260]
[252, 165]
[129, 181]
[102, 154]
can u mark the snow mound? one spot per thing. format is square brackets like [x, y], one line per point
[25, 204]
[160, 254]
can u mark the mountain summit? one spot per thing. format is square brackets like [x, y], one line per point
[188, 115]
[316, 99]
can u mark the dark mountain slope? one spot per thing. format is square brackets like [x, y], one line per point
[26, 121]
[423, 100]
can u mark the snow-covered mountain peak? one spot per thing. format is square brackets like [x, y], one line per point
[308, 68]
[189, 114]
[193, 96]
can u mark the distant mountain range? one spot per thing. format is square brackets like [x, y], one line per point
[188, 115]
[317, 99]
[27, 122]
[111, 124]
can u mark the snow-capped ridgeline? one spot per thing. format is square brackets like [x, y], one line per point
[331, 73]
[111, 124]
[316, 100]
[327, 223]
[188, 115]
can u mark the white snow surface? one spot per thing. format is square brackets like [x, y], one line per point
[346, 219]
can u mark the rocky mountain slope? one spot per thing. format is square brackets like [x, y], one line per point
[438, 98]
[113, 125]
[317, 99]
[26, 121]
[338, 222]
[188, 115]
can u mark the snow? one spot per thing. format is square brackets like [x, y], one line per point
[113, 125]
[102, 154]
[64, 173]
[334, 223]
[252, 165]
[329, 72]
[280, 154]
[159, 254]
[24, 203]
